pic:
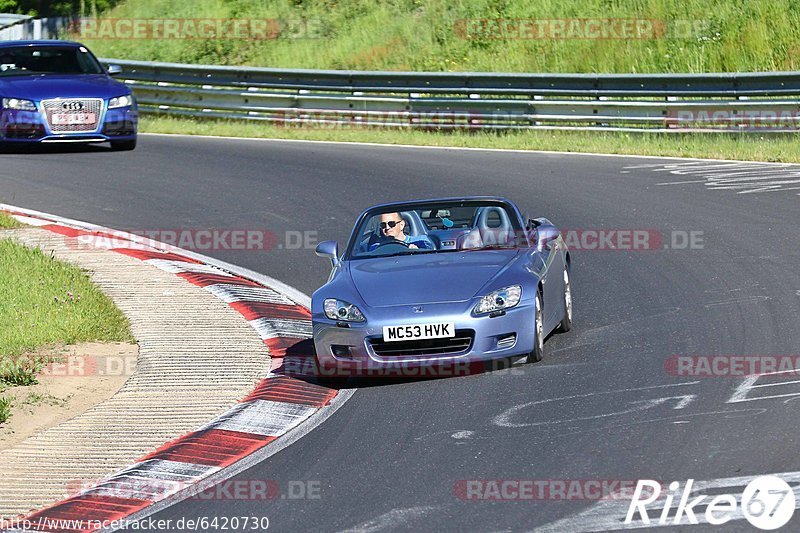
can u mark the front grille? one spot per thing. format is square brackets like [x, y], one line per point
[461, 343]
[71, 105]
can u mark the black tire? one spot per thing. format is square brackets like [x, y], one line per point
[123, 146]
[538, 328]
[566, 322]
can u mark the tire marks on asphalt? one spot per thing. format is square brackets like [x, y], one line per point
[739, 177]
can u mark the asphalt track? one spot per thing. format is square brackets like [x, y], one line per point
[601, 406]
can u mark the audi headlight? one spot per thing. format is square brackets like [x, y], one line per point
[340, 310]
[120, 101]
[498, 300]
[19, 104]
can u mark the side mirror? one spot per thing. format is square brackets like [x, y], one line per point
[531, 230]
[329, 249]
[114, 70]
[542, 232]
[544, 236]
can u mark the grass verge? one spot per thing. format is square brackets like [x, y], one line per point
[44, 302]
[463, 35]
[5, 409]
[752, 147]
[7, 222]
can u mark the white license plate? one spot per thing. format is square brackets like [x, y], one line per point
[419, 331]
[69, 119]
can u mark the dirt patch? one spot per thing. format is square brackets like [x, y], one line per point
[81, 377]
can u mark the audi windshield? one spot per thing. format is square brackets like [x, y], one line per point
[33, 60]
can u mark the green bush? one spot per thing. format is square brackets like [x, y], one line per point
[693, 35]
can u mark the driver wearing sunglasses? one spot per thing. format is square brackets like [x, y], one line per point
[392, 226]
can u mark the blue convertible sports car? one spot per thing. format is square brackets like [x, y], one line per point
[442, 281]
[57, 91]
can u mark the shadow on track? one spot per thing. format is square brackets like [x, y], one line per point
[300, 362]
[52, 148]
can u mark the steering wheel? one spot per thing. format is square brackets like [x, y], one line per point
[384, 246]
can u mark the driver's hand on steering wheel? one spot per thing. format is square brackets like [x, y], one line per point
[413, 246]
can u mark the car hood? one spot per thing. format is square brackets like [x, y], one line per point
[44, 86]
[427, 278]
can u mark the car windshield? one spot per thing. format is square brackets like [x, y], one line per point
[449, 226]
[27, 60]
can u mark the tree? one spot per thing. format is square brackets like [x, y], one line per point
[50, 8]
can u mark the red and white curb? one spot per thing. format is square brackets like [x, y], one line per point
[280, 410]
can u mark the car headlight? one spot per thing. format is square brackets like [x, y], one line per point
[339, 310]
[498, 300]
[120, 101]
[19, 104]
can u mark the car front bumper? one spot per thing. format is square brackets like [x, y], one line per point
[352, 347]
[30, 127]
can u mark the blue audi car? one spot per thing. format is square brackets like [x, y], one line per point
[57, 91]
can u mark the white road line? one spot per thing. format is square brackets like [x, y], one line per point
[749, 383]
[680, 182]
[504, 418]
[394, 519]
[741, 177]
[31, 221]
[460, 148]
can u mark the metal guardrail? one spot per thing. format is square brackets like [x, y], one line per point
[9, 19]
[332, 98]
[24, 27]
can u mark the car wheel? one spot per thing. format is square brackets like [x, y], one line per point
[566, 322]
[123, 146]
[538, 343]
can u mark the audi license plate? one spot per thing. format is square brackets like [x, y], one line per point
[71, 119]
[419, 331]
